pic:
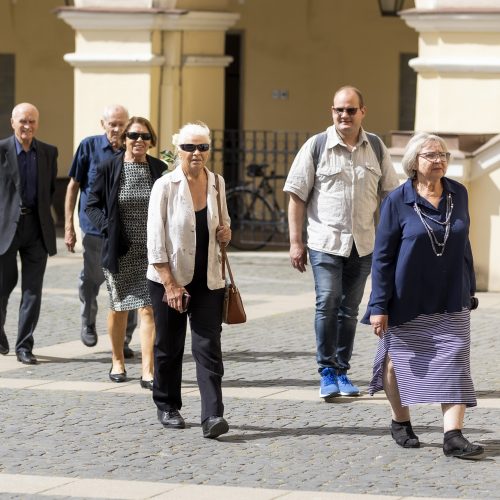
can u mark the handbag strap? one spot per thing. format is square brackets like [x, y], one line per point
[225, 260]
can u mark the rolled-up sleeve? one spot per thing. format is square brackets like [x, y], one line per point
[300, 179]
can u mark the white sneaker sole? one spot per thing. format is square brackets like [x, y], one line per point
[328, 394]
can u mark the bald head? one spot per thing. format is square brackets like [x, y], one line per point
[24, 122]
[114, 119]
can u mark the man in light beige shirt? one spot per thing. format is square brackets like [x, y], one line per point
[336, 182]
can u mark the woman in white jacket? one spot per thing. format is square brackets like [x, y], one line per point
[185, 280]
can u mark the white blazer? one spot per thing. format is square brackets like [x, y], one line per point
[171, 228]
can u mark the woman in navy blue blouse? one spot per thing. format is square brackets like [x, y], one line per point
[422, 284]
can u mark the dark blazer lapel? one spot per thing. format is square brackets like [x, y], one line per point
[12, 163]
[42, 170]
[115, 172]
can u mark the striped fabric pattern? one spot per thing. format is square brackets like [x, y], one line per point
[431, 358]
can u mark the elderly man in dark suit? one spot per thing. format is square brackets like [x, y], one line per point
[28, 170]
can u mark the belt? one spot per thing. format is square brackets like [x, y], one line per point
[26, 211]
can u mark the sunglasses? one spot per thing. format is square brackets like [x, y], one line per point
[190, 148]
[145, 136]
[349, 111]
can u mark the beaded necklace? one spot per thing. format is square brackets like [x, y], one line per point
[437, 246]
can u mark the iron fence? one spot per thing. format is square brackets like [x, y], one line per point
[255, 164]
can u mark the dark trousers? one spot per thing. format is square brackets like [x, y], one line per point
[205, 318]
[28, 242]
[91, 279]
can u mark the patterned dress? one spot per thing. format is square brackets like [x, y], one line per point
[128, 288]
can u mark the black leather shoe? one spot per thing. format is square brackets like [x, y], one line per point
[117, 377]
[214, 426]
[171, 419]
[26, 358]
[4, 343]
[89, 335]
[146, 384]
[456, 445]
[127, 352]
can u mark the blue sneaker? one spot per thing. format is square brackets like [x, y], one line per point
[346, 387]
[328, 385]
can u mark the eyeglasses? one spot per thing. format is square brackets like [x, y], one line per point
[134, 136]
[190, 148]
[349, 111]
[436, 157]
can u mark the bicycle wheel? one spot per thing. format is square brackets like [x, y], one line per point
[253, 219]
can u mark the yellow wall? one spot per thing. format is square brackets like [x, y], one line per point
[308, 47]
[484, 208]
[312, 47]
[39, 40]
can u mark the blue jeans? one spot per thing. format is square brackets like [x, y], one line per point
[339, 283]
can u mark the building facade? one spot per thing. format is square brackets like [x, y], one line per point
[261, 65]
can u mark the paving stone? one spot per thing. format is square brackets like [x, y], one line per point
[342, 446]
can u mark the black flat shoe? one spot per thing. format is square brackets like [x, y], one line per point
[89, 335]
[213, 427]
[4, 343]
[171, 419]
[146, 384]
[402, 433]
[456, 445]
[128, 353]
[26, 358]
[117, 377]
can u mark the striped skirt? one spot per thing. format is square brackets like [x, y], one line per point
[431, 358]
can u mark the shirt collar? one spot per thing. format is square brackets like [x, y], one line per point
[410, 195]
[105, 144]
[19, 146]
[334, 139]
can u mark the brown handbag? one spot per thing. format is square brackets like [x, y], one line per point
[233, 311]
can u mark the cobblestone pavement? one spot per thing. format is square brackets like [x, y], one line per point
[64, 419]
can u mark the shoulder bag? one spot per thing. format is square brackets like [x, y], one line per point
[233, 311]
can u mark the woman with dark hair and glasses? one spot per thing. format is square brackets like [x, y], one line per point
[423, 289]
[185, 279]
[118, 206]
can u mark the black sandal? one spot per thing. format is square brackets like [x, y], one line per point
[403, 434]
[456, 445]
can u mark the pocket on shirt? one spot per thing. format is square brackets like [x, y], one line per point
[329, 179]
[369, 177]
[326, 170]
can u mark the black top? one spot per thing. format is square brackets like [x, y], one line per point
[102, 207]
[201, 256]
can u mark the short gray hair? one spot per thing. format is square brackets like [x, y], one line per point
[413, 148]
[113, 108]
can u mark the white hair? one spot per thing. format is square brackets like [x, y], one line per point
[113, 108]
[198, 128]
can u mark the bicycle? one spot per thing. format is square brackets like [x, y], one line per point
[254, 220]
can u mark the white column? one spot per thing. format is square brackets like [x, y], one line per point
[458, 65]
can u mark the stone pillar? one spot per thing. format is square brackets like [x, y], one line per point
[458, 65]
[161, 63]
[458, 84]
